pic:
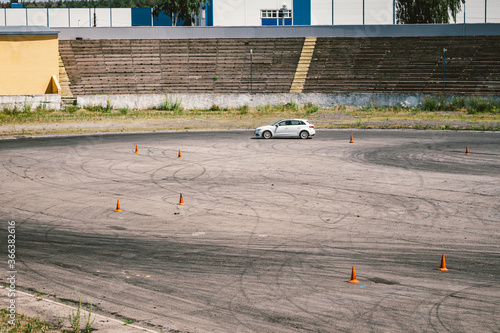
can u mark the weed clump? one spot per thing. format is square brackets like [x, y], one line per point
[170, 104]
[472, 104]
[75, 318]
[310, 108]
[243, 109]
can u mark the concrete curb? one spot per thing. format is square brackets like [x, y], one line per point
[51, 311]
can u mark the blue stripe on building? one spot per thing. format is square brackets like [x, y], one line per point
[269, 21]
[141, 17]
[209, 12]
[288, 21]
[301, 12]
[162, 20]
[276, 21]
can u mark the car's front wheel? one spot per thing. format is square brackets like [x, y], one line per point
[304, 134]
[267, 135]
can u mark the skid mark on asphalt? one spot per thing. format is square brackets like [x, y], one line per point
[320, 204]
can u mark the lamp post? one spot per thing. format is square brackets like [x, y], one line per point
[281, 13]
[363, 12]
[444, 67]
[251, 74]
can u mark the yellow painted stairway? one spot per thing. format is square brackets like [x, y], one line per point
[64, 81]
[303, 66]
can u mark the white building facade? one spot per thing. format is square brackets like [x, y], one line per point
[234, 13]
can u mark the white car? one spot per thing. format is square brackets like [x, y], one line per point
[287, 128]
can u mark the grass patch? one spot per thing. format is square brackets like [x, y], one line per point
[71, 109]
[264, 108]
[26, 108]
[243, 109]
[100, 108]
[467, 113]
[22, 323]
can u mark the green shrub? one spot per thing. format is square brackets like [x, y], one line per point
[171, 105]
[214, 107]
[11, 111]
[243, 109]
[310, 108]
[457, 103]
[477, 104]
[472, 105]
[291, 106]
[434, 103]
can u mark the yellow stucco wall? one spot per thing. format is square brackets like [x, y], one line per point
[27, 64]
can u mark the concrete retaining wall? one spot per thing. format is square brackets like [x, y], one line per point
[50, 102]
[205, 101]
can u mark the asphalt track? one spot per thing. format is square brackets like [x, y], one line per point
[269, 231]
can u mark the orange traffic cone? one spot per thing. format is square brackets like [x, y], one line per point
[136, 149]
[443, 265]
[118, 206]
[181, 201]
[467, 150]
[353, 276]
[179, 156]
[352, 141]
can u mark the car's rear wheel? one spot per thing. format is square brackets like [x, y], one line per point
[304, 134]
[267, 135]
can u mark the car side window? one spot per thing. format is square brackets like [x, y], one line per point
[288, 123]
[295, 122]
[301, 122]
[281, 123]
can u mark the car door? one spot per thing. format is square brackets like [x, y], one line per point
[294, 127]
[282, 128]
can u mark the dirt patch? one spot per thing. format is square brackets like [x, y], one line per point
[329, 118]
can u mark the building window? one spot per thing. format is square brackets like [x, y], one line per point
[275, 13]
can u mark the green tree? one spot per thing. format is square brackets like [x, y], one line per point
[426, 11]
[178, 9]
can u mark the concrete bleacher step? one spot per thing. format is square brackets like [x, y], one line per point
[281, 65]
[303, 65]
[64, 81]
[339, 64]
